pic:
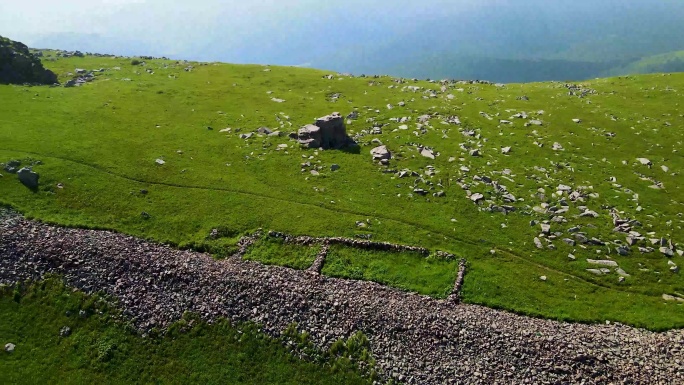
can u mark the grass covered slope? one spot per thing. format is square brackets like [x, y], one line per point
[100, 349]
[667, 62]
[404, 270]
[96, 149]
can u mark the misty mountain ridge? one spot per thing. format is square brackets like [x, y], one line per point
[501, 41]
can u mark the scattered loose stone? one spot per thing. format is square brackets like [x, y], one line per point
[602, 262]
[668, 252]
[538, 243]
[65, 331]
[427, 153]
[381, 153]
[599, 271]
[623, 251]
[668, 297]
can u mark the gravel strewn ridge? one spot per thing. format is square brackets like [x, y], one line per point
[414, 338]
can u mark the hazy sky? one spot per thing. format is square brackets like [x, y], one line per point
[25, 19]
[230, 29]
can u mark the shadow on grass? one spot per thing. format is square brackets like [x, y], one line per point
[353, 149]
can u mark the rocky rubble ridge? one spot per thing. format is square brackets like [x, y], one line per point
[19, 66]
[415, 339]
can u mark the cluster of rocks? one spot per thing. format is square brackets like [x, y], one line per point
[579, 90]
[19, 66]
[26, 175]
[414, 339]
[245, 243]
[499, 193]
[81, 77]
[260, 132]
[627, 240]
[328, 132]
[67, 54]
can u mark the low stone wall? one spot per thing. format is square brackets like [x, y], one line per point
[456, 293]
[358, 243]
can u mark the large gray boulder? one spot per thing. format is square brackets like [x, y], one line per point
[310, 136]
[28, 178]
[328, 132]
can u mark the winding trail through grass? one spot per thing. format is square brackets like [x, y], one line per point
[458, 239]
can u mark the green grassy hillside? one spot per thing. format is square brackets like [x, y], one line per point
[96, 149]
[668, 62]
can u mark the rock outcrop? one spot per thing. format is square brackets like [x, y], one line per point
[19, 66]
[329, 132]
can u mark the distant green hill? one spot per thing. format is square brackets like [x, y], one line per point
[668, 62]
[502, 70]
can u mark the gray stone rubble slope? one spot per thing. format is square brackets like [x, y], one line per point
[414, 338]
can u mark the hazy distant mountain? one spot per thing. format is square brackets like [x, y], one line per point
[500, 40]
[515, 43]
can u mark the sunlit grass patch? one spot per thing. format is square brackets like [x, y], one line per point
[274, 251]
[404, 270]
